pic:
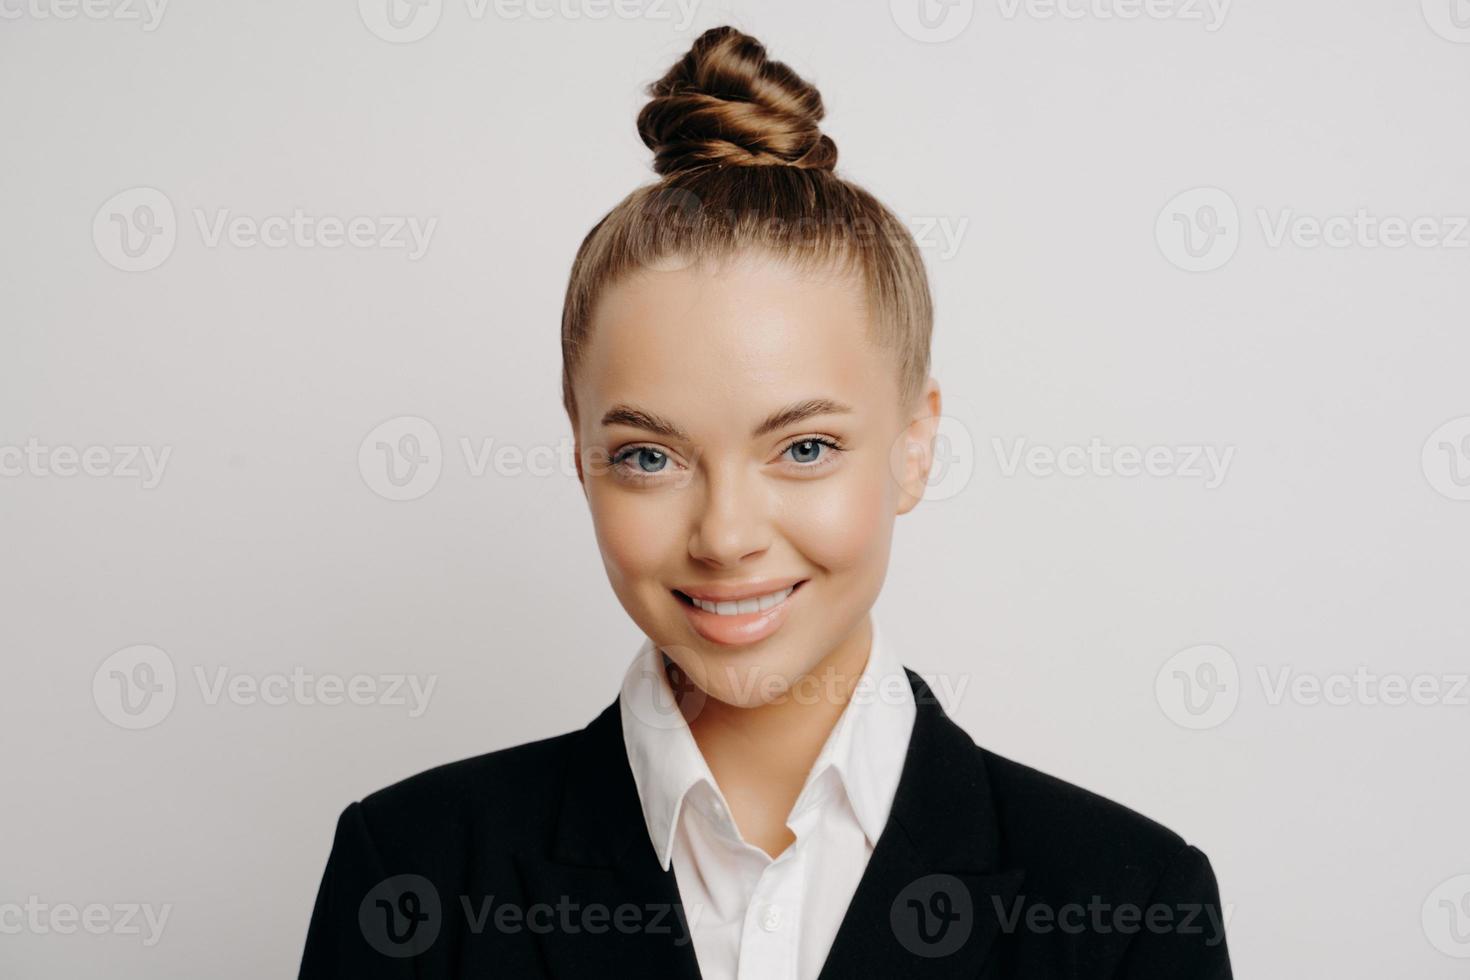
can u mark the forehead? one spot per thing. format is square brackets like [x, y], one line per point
[706, 342]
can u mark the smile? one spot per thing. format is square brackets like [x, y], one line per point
[728, 618]
[758, 604]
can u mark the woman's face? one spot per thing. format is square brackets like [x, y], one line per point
[738, 435]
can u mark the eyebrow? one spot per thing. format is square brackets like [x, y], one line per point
[779, 419]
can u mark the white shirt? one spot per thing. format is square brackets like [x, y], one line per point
[753, 917]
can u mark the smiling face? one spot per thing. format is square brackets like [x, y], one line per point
[738, 435]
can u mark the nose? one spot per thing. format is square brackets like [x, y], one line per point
[732, 524]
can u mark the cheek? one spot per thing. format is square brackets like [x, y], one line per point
[634, 535]
[845, 523]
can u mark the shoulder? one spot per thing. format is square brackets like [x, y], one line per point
[1053, 807]
[1104, 886]
[508, 795]
[502, 776]
[1059, 830]
[450, 831]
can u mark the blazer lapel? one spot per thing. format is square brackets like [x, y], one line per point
[623, 914]
[929, 903]
[931, 900]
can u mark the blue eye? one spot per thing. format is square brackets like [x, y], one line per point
[648, 460]
[808, 452]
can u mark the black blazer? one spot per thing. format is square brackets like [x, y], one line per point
[534, 861]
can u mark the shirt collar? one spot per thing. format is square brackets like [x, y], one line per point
[865, 749]
[662, 753]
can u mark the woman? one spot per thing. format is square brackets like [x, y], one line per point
[772, 794]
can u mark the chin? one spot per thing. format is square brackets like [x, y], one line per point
[745, 678]
[744, 675]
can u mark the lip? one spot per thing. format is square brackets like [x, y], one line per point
[735, 591]
[744, 628]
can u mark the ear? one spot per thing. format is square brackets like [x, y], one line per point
[915, 456]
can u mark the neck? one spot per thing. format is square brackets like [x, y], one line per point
[760, 756]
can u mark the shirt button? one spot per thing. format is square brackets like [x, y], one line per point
[771, 918]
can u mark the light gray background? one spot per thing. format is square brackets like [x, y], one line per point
[1053, 144]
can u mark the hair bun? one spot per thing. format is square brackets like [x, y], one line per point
[726, 103]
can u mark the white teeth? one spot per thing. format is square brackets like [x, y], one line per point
[757, 604]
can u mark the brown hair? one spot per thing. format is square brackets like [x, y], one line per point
[744, 166]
